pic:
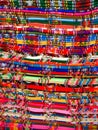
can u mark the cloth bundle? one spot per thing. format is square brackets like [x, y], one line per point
[49, 64]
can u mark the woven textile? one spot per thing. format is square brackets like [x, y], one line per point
[49, 64]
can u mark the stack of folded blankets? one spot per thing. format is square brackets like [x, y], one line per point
[48, 64]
